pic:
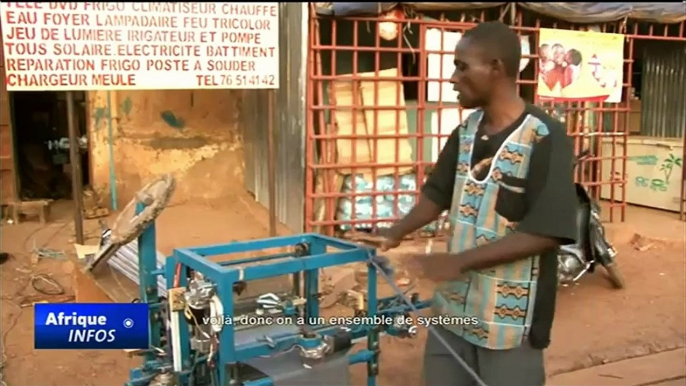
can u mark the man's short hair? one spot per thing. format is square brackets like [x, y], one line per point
[575, 57]
[501, 42]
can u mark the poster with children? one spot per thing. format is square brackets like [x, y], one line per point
[580, 66]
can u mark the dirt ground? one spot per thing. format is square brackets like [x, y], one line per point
[594, 323]
[666, 368]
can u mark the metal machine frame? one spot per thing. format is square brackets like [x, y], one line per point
[225, 275]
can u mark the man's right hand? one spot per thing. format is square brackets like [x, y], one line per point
[383, 239]
[388, 240]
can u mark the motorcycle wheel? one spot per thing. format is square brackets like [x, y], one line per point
[616, 277]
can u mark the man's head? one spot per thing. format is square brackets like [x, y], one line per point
[486, 60]
[558, 53]
[544, 52]
[573, 57]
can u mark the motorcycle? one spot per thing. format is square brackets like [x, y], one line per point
[592, 248]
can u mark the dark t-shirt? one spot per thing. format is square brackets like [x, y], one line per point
[549, 205]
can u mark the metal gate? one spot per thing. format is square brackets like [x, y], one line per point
[349, 54]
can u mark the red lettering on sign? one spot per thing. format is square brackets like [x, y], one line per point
[12, 48]
[146, 21]
[120, 64]
[244, 24]
[163, 36]
[66, 19]
[107, 7]
[249, 9]
[195, 22]
[167, 65]
[64, 6]
[83, 49]
[205, 80]
[26, 5]
[242, 37]
[74, 81]
[23, 17]
[22, 33]
[158, 50]
[231, 65]
[50, 64]
[109, 80]
[92, 34]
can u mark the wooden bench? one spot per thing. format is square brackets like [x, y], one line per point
[32, 208]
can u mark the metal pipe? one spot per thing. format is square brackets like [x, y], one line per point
[75, 160]
[176, 340]
[309, 129]
[271, 163]
[389, 280]
[110, 147]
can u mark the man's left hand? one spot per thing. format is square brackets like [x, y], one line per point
[433, 266]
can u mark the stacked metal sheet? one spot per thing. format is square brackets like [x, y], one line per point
[125, 261]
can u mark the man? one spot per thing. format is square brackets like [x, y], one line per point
[556, 67]
[545, 59]
[572, 71]
[506, 177]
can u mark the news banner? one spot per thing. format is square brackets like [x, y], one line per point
[91, 326]
[126, 325]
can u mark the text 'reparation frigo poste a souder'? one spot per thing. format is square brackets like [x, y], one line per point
[140, 46]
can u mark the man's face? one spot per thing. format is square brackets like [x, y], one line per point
[545, 53]
[473, 75]
[559, 55]
[568, 58]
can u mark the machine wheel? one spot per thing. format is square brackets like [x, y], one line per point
[615, 275]
[156, 196]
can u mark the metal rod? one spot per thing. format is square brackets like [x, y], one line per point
[75, 160]
[271, 163]
[432, 329]
[110, 146]
[147, 263]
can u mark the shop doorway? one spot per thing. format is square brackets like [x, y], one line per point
[42, 143]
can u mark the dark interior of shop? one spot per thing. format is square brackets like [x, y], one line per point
[42, 143]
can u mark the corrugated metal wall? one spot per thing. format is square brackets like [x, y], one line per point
[663, 100]
[289, 123]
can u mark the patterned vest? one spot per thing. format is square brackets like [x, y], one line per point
[500, 298]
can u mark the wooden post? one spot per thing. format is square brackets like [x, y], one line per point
[75, 160]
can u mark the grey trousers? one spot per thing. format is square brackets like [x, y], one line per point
[522, 366]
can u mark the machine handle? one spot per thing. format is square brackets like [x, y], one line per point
[374, 241]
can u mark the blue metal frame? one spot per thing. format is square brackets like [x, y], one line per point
[225, 274]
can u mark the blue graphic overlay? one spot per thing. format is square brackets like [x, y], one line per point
[99, 326]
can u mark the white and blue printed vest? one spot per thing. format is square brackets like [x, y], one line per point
[500, 298]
